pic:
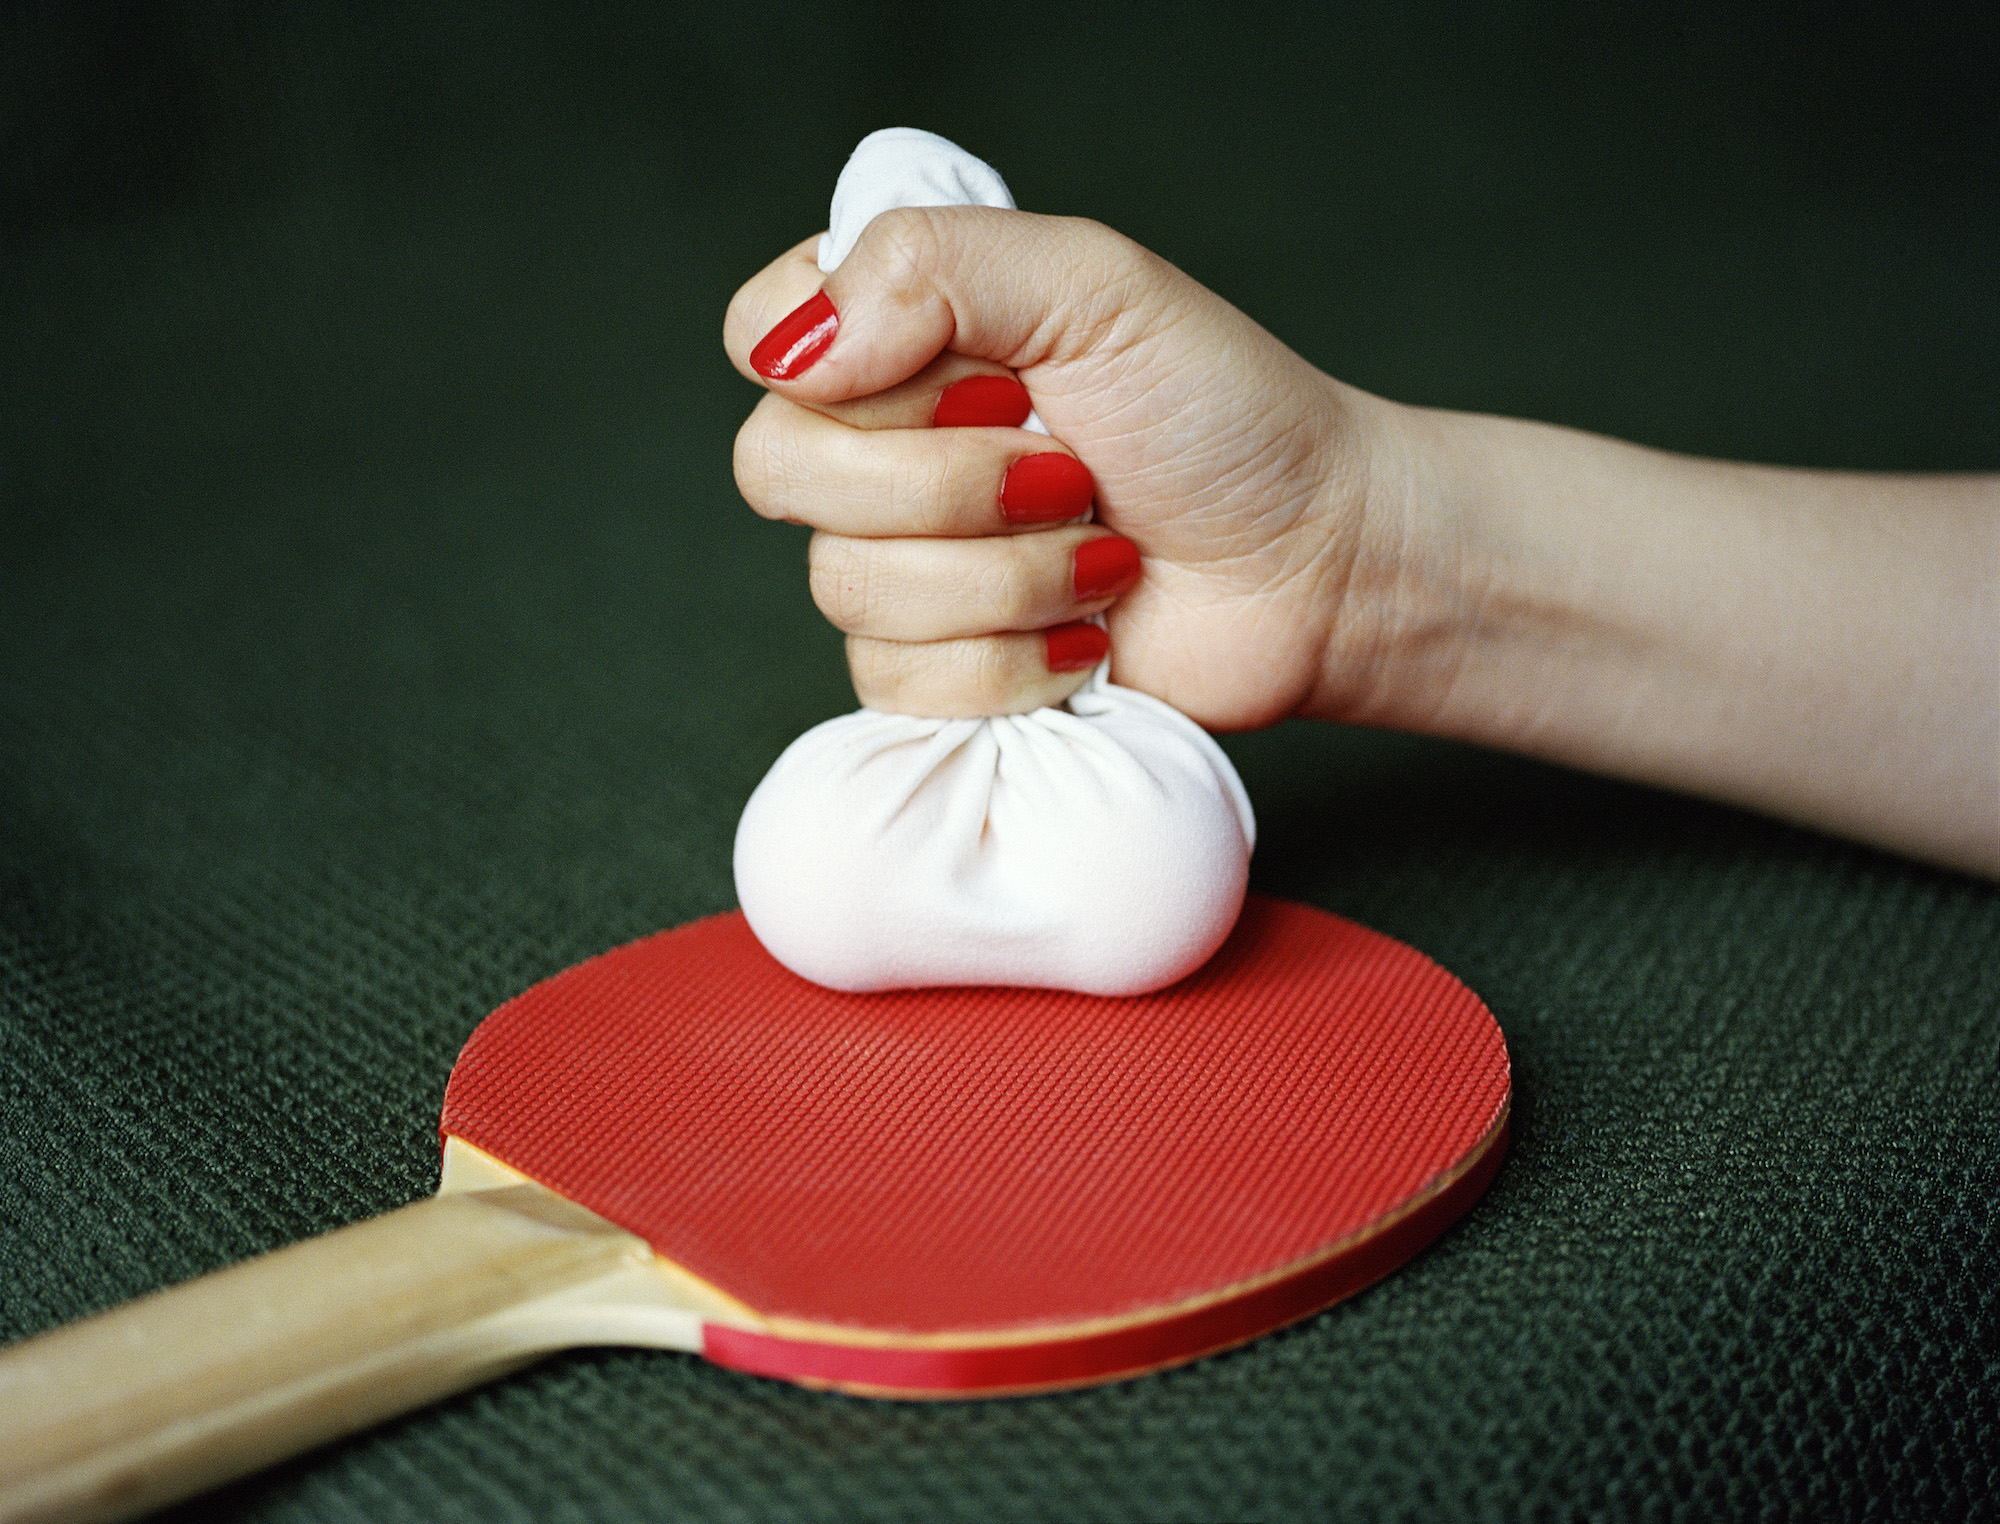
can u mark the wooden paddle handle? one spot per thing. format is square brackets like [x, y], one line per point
[188, 1388]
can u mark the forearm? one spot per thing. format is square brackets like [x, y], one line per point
[1819, 646]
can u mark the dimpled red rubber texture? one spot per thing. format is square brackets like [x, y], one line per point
[978, 1159]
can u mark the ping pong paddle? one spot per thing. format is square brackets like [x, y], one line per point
[927, 1193]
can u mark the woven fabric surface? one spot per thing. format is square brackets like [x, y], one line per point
[380, 632]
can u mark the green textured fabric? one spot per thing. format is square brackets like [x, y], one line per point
[380, 632]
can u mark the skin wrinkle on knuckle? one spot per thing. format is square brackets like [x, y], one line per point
[1003, 588]
[793, 458]
[838, 573]
[865, 480]
[923, 497]
[874, 678]
[994, 672]
[751, 461]
[902, 252]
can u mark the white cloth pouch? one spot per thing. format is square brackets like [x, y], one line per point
[1101, 847]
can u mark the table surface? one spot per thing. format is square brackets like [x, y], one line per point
[380, 632]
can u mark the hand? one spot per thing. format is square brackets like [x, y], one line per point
[1241, 474]
[1822, 646]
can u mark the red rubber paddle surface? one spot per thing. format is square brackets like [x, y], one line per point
[1002, 1189]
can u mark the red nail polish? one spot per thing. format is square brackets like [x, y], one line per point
[1103, 566]
[1075, 647]
[994, 402]
[789, 350]
[1044, 489]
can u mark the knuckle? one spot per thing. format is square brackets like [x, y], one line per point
[878, 672]
[1000, 674]
[1005, 587]
[770, 458]
[993, 673]
[837, 571]
[902, 250]
[752, 459]
[924, 488]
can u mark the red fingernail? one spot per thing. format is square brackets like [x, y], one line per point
[1042, 489]
[1103, 566]
[994, 402]
[1075, 647]
[789, 350]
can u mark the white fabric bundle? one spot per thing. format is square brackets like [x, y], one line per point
[1101, 847]
[903, 166]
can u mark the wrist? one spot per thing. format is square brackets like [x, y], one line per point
[1521, 585]
[1401, 503]
[1813, 645]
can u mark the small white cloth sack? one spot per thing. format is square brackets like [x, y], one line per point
[903, 166]
[1102, 847]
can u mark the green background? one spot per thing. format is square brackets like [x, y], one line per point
[380, 632]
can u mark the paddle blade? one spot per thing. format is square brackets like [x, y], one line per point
[971, 1190]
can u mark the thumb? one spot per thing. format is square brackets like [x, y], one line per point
[1020, 289]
